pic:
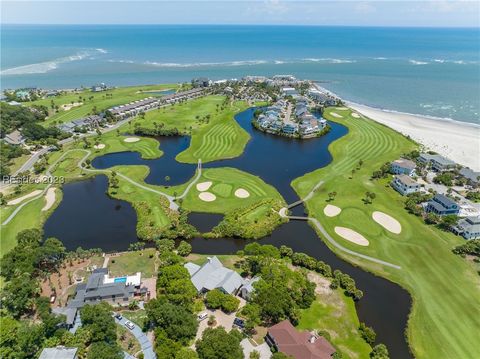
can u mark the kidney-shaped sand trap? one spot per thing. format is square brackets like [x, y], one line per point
[334, 114]
[331, 210]
[242, 193]
[356, 115]
[99, 146]
[23, 198]
[131, 139]
[203, 186]
[207, 196]
[387, 222]
[351, 235]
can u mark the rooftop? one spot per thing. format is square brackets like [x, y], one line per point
[407, 180]
[300, 345]
[59, 352]
[402, 162]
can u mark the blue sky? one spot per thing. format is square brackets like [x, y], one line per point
[435, 13]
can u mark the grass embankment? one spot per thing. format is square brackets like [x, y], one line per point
[444, 287]
[335, 313]
[129, 263]
[99, 100]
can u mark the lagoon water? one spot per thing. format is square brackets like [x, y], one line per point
[276, 160]
[427, 71]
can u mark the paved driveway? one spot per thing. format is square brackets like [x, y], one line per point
[145, 344]
[248, 347]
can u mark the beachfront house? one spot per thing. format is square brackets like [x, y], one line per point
[283, 337]
[213, 275]
[403, 166]
[468, 228]
[442, 205]
[99, 87]
[405, 185]
[59, 352]
[201, 82]
[436, 162]
[472, 177]
[14, 138]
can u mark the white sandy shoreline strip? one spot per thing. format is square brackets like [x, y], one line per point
[456, 140]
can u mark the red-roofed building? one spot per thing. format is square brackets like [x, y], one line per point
[300, 345]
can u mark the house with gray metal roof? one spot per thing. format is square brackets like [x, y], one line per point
[437, 162]
[247, 288]
[468, 228]
[442, 205]
[403, 166]
[59, 352]
[213, 275]
[472, 176]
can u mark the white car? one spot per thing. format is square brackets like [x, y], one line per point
[129, 325]
[202, 316]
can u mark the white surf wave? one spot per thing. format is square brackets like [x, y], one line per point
[416, 62]
[47, 66]
[329, 60]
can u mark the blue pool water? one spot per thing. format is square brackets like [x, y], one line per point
[120, 280]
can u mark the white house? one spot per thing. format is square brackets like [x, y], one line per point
[405, 185]
[403, 166]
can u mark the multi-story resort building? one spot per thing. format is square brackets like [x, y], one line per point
[86, 123]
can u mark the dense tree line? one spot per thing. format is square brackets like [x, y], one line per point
[8, 153]
[471, 247]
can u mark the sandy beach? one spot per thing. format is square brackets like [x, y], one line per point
[455, 140]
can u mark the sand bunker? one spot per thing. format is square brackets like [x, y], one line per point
[69, 106]
[242, 193]
[207, 196]
[204, 186]
[355, 115]
[351, 235]
[387, 222]
[99, 146]
[23, 198]
[49, 198]
[331, 210]
[334, 114]
[131, 139]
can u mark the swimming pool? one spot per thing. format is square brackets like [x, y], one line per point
[120, 280]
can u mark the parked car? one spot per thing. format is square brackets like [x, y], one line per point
[239, 323]
[118, 316]
[129, 325]
[202, 316]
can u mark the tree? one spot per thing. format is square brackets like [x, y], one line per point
[51, 254]
[286, 251]
[367, 333]
[165, 348]
[214, 299]
[177, 322]
[230, 303]
[448, 221]
[218, 344]
[186, 353]
[114, 180]
[99, 321]
[18, 295]
[379, 351]
[280, 355]
[102, 350]
[254, 354]
[184, 248]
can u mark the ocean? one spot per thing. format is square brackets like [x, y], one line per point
[428, 71]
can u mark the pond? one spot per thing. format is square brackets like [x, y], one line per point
[277, 160]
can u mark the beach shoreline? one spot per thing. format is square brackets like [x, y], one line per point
[458, 141]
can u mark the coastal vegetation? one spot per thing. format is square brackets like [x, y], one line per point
[436, 327]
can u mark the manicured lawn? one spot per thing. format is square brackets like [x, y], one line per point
[221, 138]
[444, 287]
[335, 313]
[129, 263]
[139, 316]
[100, 101]
[225, 181]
